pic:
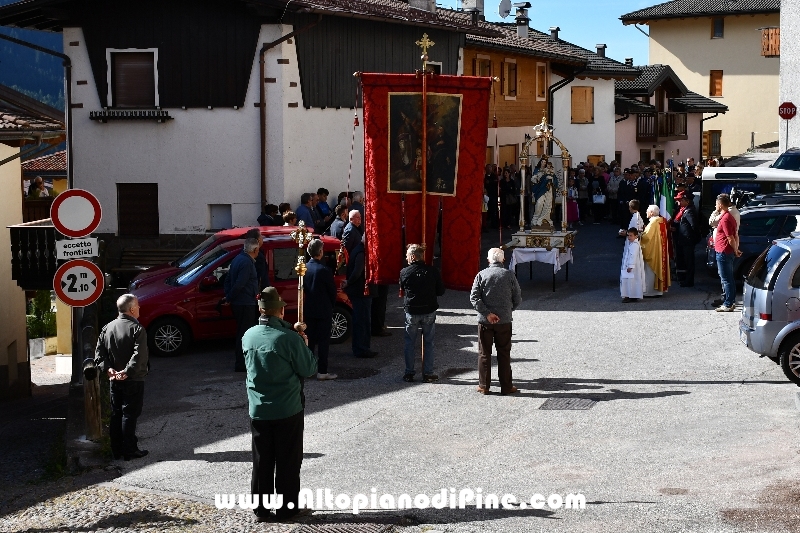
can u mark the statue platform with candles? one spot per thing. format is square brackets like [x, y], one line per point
[545, 187]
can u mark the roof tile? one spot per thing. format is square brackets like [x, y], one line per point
[56, 162]
[694, 8]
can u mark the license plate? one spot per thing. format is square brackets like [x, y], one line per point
[743, 337]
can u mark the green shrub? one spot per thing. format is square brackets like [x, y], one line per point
[41, 320]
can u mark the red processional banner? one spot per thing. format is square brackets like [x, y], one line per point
[457, 118]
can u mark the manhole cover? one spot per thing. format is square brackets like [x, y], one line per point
[568, 404]
[450, 372]
[356, 373]
[346, 528]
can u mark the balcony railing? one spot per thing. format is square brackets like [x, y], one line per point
[771, 42]
[33, 254]
[661, 127]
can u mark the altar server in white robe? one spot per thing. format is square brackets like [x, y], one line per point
[632, 282]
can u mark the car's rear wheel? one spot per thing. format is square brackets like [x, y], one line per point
[169, 336]
[341, 325]
[790, 358]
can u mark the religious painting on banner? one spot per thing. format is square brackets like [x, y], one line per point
[458, 114]
[405, 142]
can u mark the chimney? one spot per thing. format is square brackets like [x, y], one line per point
[522, 19]
[629, 61]
[554, 32]
[423, 5]
[473, 5]
[601, 50]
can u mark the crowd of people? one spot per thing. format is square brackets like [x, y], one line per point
[595, 192]
[277, 356]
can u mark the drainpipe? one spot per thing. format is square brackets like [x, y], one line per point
[263, 106]
[624, 117]
[550, 105]
[67, 63]
[701, 134]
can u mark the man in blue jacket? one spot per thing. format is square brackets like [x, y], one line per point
[241, 291]
[320, 296]
[303, 211]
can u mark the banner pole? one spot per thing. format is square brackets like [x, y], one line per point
[424, 44]
[424, 149]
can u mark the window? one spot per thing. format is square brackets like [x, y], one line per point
[481, 66]
[759, 226]
[132, 78]
[582, 105]
[541, 81]
[715, 88]
[137, 209]
[508, 78]
[644, 156]
[712, 143]
[717, 28]
[790, 225]
[283, 262]
[767, 267]
[435, 67]
[618, 157]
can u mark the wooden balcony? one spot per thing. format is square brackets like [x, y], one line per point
[661, 127]
[771, 42]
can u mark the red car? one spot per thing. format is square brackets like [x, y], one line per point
[185, 306]
[161, 272]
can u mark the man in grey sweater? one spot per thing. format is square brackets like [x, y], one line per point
[495, 294]
[122, 354]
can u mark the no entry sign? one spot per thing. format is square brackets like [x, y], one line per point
[76, 213]
[787, 110]
[78, 283]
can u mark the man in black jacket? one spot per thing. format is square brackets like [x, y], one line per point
[320, 295]
[421, 285]
[686, 230]
[122, 354]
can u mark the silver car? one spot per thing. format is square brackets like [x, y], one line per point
[770, 323]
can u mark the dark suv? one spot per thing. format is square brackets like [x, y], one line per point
[758, 228]
[788, 160]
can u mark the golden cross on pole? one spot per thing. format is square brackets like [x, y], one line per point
[425, 43]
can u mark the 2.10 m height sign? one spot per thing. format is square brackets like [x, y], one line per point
[78, 283]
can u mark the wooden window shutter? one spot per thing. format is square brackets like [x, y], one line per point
[541, 81]
[137, 209]
[716, 83]
[512, 79]
[706, 139]
[503, 78]
[133, 79]
[475, 67]
[582, 105]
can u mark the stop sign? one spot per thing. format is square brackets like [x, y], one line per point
[787, 110]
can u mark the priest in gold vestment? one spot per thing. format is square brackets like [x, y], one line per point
[655, 250]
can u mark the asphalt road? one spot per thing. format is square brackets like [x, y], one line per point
[690, 431]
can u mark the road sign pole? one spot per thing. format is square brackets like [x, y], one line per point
[77, 349]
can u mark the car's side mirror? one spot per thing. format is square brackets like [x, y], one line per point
[208, 282]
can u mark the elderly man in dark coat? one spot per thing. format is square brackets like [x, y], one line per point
[495, 294]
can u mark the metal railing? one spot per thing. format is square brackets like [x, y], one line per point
[661, 126]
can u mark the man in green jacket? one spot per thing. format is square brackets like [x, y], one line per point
[277, 359]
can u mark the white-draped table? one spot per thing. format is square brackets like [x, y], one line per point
[542, 255]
